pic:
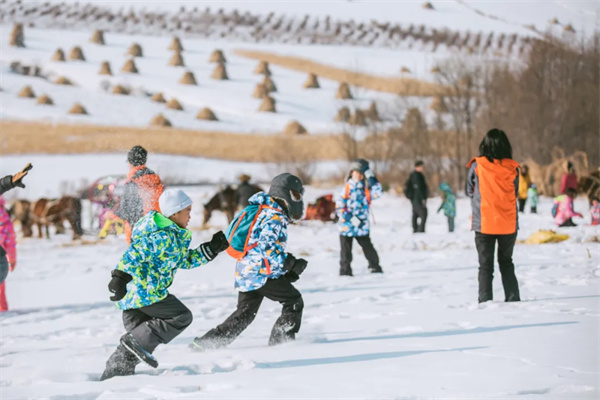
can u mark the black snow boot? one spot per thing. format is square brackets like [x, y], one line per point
[376, 270]
[136, 349]
[120, 363]
[346, 272]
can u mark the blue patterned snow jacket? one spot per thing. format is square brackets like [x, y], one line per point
[354, 202]
[267, 244]
[158, 249]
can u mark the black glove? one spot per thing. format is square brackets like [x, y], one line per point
[217, 244]
[118, 284]
[294, 266]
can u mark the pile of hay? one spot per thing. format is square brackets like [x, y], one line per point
[358, 118]
[438, 105]
[294, 128]
[76, 54]
[130, 67]
[45, 99]
[17, 36]
[405, 70]
[26, 92]
[188, 79]
[343, 115]
[173, 104]
[97, 37]
[312, 82]
[343, 91]
[267, 105]
[58, 55]
[555, 21]
[160, 120]
[217, 57]
[428, 6]
[78, 109]
[176, 44]
[105, 69]
[61, 80]
[372, 113]
[176, 60]
[220, 73]
[118, 89]
[262, 68]
[260, 91]
[436, 70]
[269, 84]
[158, 97]
[569, 28]
[135, 50]
[545, 236]
[207, 115]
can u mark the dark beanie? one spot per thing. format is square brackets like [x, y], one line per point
[137, 156]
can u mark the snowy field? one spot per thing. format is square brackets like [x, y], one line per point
[414, 332]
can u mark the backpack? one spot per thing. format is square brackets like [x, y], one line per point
[409, 189]
[238, 232]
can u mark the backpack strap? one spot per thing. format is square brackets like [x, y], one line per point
[367, 193]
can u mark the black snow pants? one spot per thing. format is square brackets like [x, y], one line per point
[485, 248]
[346, 253]
[419, 212]
[285, 328]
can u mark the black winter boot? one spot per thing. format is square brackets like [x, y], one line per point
[120, 363]
[376, 270]
[134, 348]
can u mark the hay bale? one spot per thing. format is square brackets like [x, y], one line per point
[97, 37]
[267, 105]
[17, 36]
[76, 54]
[176, 44]
[158, 97]
[312, 82]
[58, 55]
[438, 105]
[173, 104]
[269, 84]
[372, 112]
[260, 91]
[105, 69]
[118, 89]
[206, 114]
[343, 91]
[78, 109]
[176, 60]
[428, 6]
[555, 21]
[188, 79]
[569, 28]
[217, 57]
[135, 50]
[294, 128]
[220, 73]
[61, 80]
[405, 70]
[130, 67]
[45, 99]
[263, 68]
[26, 92]
[358, 118]
[436, 70]
[343, 115]
[160, 120]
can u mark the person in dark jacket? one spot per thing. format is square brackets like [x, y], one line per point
[12, 181]
[417, 191]
[493, 186]
[141, 192]
[244, 191]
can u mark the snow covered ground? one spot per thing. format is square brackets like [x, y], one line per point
[414, 332]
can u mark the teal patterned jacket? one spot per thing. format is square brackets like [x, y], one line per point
[158, 249]
[353, 204]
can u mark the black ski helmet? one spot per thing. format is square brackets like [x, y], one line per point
[289, 189]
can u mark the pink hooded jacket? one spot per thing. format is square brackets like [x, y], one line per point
[565, 209]
[7, 234]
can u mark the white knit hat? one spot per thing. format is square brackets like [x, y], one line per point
[172, 201]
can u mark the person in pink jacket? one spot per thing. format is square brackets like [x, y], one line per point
[563, 209]
[9, 245]
[569, 179]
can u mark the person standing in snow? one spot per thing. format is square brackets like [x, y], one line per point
[417, 191]
[352, 208]
[140, 283]
[569, 179]
[141, 191]
[265, 269]
[595, 211]
[524, 182]
[493, 186]
[533, 197]
[8, 251]
[244, 191]
[448, 204]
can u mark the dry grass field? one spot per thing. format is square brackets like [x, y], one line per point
[398, 86]
[27, 138]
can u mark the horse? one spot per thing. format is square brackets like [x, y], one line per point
[21, 211]
[590, 185]
[224, 200]
[45, 212]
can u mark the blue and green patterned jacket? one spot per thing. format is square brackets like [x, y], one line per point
[158, 249]
[352, 206]
[449, 201]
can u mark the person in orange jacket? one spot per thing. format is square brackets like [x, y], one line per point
[493, 186]
[141, 192]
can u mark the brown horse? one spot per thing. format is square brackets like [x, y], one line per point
[224, 201]
[21, 211]
[45, 212]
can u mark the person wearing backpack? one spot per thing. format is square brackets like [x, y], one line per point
[151, 315]
[258, 239]
[562, 209]
[352, 208]
[417, 190]
[493, 186]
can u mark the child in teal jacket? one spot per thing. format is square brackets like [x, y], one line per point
[448, 204]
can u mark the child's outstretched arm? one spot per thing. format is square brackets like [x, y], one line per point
[206, 252]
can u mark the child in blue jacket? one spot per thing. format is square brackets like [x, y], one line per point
[266, 269]
[448, 204]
